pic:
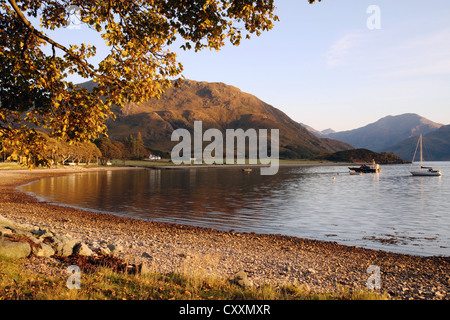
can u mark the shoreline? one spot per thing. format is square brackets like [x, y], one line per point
[322, 266]
[299, 164]
[189, 166]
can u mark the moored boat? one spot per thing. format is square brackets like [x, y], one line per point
[423, 171]
[373, 168]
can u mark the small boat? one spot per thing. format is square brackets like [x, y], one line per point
[373, 168]
[247, 170]
[423, 171]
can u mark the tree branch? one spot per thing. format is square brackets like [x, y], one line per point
[54, 44]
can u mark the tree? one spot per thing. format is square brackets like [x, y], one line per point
[85, 151]
[34, 91]
[136, 147]
[61, 150]
[108, 150]
[123, 150]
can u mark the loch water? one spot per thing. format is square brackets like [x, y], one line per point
[391, 211]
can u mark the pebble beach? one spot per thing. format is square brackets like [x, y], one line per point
[163, 247]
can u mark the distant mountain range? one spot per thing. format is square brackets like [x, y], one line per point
[399, 134]
[223, 107]
[386, 132]
[219, 106]
[317, 133]
[436, 146]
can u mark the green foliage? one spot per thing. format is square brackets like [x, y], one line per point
[140, 65]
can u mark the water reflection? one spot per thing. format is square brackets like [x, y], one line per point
[323, 203]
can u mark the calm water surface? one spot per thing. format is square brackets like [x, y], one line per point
[392, 211]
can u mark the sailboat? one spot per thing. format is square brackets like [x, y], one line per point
[422, 171]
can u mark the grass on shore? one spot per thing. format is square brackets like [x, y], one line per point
[105, 284]
[10, 166]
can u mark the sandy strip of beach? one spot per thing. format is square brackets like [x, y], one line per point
[318, 265]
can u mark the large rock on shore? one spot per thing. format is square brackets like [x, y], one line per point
[14, 249]
[5, 222]
[43, 250]
[20, 241]
[64, 244]
[82, 249]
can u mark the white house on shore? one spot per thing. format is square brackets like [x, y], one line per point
[154, 157]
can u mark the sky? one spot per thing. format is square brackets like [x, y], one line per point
[338, 64]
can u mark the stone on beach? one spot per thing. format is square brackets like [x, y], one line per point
[5, 231]
[42, 233]
[115, 247]
[14, 249]
[145, 269]
[6, 222]
[240, 278]
[64, 244]
[82, 249]
[43, 250]
[104, 251]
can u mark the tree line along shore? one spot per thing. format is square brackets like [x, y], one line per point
[99, 151]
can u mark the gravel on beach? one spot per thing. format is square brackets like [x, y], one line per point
[318, 265]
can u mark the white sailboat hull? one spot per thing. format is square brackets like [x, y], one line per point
[426, 173]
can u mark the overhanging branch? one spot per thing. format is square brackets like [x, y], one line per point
[54, 44]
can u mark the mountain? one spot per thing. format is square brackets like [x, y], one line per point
[219, 106]
[327, 131]
[436, 146]
[317, 133]
[386, 132]
[361, 156]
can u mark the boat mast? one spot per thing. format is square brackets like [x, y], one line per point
[415, 152]
[421, 152]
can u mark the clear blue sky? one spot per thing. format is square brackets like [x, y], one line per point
[323, 66]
